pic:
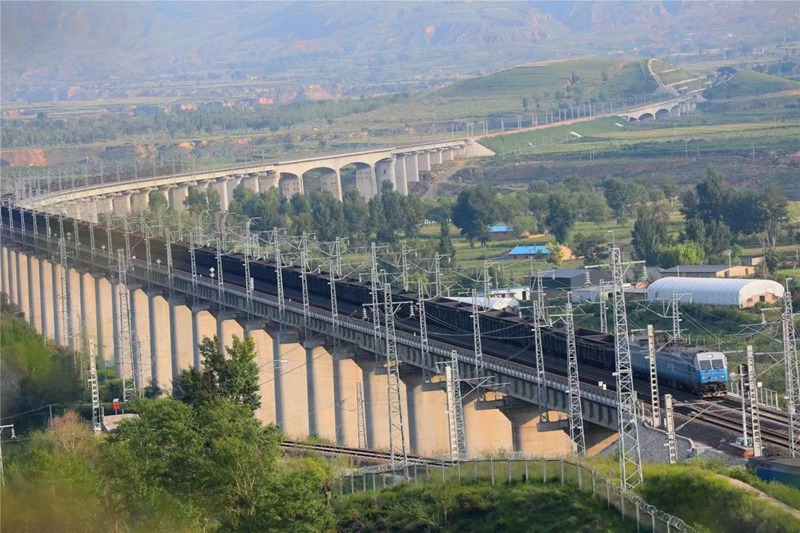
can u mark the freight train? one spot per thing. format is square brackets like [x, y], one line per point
[696, 371]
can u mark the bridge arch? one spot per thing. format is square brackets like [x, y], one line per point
[359, 177]
[662, 113]
[290, 184]
[647, 116]
[323, 178]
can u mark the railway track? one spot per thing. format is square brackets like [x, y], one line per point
[723, 416]
[357, 453]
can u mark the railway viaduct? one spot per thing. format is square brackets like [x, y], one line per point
[400, 166]
[313, 368]
[675, 107]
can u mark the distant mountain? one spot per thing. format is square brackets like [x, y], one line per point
[49, 43]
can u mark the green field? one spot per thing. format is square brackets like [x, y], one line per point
[750, 83]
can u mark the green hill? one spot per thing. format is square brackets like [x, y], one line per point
[577, 78]
[750, 83]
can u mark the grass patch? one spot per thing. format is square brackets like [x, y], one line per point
[750, 83]
[480, 507]
[707, 500]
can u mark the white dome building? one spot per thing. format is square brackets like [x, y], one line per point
[717, 291]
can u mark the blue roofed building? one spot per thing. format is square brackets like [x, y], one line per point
[501, 232]
[526, 251]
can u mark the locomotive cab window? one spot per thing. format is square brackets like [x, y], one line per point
[705, 365]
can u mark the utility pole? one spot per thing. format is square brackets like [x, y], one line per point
[630, 454]
[654, 399]
[455, 409]
[93, 387]
[792, 371]
[13, 436]
[437, 275]
[673, 453]
[361, 416]
[404, 267]
[477, 345]
[752, 396]
[575, 410]
[603, 309]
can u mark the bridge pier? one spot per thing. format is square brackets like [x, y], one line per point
[385, 171]
[346, 373]
[177, 195]
[429, 432]
[220, 185]
[365, 183]
[122, 203]
[526, 436]
[23, 285]
[180, 353]
[487, 430]
[320, 392]
[105, 334]
[200, 329]
[401, 181]
[291, 398]
[140, 200]
[35, 288]
[55, 271]
[44, 307]
[6, 273]
[424, 161]
[267, 181]
[250, 182]
[436, 157]
[412, 169]
[161, 360]
[140, 331]
[266, 370]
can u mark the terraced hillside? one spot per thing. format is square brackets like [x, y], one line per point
[750, 83]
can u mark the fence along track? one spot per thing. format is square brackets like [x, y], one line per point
[510, 471]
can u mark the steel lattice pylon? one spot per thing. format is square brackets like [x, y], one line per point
[279, 277]
[792, 372]
[304, 281]
[541, 378]
[455, 409]
[376, 323]
[334, 309]
[126, 350]
[423, 332]
[397, 437]
[630, 457]
[575, 410]
[66, 297]
[476, 340]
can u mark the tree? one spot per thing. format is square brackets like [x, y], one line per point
[617, 195]
[356, 215]
[328, 216]
[685, 253]
[474, 212]
[234, 378]
[556, 255]
[590, 247]
[445, 241]
[197, 202]
[649, 233]
[561, 215]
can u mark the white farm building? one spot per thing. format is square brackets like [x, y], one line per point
[716, 291]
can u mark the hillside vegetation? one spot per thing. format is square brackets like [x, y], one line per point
[590, 78]
[750, 83]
